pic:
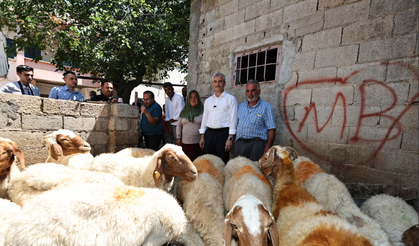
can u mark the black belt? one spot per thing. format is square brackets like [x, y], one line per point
[218, 129]
[244, 140]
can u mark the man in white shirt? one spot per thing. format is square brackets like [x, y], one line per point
[23, 86]
[219, 120]
[174, 105]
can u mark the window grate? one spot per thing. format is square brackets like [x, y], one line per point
[262, 65]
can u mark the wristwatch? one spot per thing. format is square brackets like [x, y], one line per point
[230, 138]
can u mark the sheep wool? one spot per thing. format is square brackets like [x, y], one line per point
[202, 199]
[393, 214]
[169, 162]
[136, 152]
[98, 214]
[335, 197]
[243, 177]
[40, 178]
[8, 210]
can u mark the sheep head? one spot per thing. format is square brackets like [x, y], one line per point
[172, 162]
[8, 151]
[270, 161]
[250, 223]
[64, 142]
[410, 237]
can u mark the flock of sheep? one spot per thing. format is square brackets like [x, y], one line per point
[142, 197]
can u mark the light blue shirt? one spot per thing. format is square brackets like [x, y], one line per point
[64, 93]
[255, 121]
[14, 88]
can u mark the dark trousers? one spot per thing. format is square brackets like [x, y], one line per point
[215, 142]
[153, 141]
[253, 150]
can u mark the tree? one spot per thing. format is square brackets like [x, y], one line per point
[119, 40]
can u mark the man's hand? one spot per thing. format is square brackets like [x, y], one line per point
[229, 145]
[143, 109]
[202, 142]
[169, 128]
[114, 100]
[178, 142]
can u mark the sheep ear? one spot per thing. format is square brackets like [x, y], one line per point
[18, 153]
[227, 230]
[158, 172]
[271, 158]
[273, 232]
[56, 152]
[292, 152]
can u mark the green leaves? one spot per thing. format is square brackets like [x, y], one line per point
[116, 39]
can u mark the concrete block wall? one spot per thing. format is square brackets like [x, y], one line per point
[347, 93]
[27, 119]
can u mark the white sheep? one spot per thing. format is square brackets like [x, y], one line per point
[66, 148]
[251, 223]
[202, 199]
[40, 178]
[335, 197]
[157, 170]
[393, 214]
[8, 166]
[300, 219]
[136, 152]
[98, 214]
[243, 177]
[8, 210]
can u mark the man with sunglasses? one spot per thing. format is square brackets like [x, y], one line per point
[23, 86]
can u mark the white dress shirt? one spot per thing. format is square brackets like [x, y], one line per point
[173, 108]
[220, 112]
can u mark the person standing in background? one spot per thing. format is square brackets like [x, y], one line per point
[219, 121]
[68, 91]
[23, 86]
[187, 131]
[255, 125]
[174, 104]
[151, 121]
[107, 88]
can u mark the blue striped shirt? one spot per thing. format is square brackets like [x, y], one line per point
[255, 121]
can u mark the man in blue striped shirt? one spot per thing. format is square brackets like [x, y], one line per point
[255, 125]
[68, 91]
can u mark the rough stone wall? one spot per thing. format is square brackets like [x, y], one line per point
[347, 93]
[27, 119]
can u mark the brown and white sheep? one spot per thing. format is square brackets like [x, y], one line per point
[157, 170]
[8, 167]
[243, 177]
[395, 216]
[300, 219]
[251, 223]
[66, 148]
[335, 197]
[98, 214]
[202, 199]
[40, 178]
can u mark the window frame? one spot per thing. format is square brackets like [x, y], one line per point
[257, 51]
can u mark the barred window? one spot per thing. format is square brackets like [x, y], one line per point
[261, 65]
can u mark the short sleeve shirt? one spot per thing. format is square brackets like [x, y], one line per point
[146, 127]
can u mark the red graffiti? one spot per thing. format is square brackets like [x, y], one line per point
[363, 115]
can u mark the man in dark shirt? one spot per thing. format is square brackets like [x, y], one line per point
[151, 121]
[106, 96]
